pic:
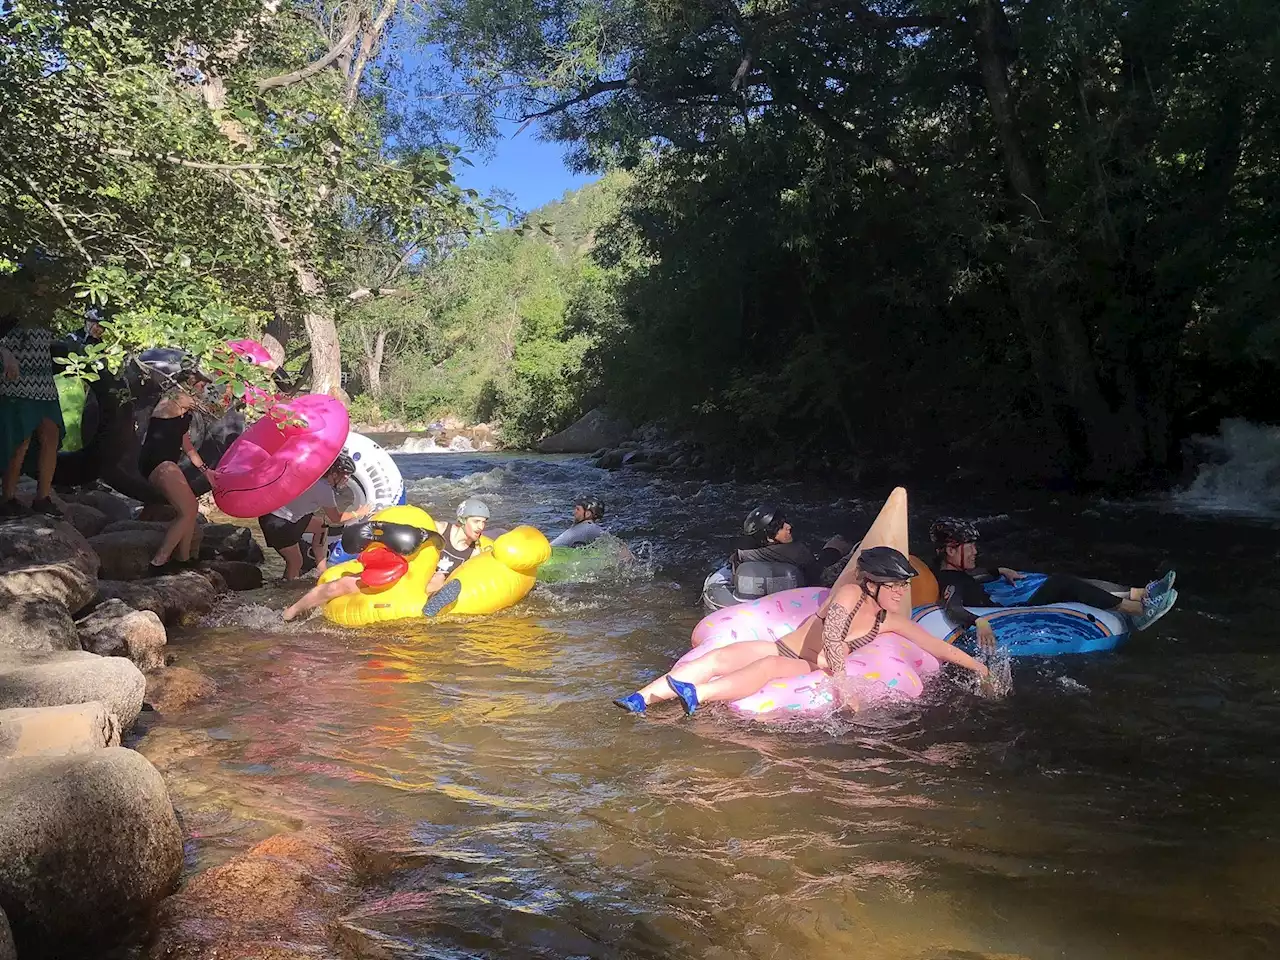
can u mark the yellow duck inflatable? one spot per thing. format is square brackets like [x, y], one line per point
[495, 579]
[394, 586]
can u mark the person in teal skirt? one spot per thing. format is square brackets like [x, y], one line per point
[28, 393]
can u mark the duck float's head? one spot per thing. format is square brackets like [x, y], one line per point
[397, 553]
[523, 549]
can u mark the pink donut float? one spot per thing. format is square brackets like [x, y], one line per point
[276, 459]
[889, 666]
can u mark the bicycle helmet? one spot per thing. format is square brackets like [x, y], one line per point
[884, 565]
[764, 521]
[947, 530]
[592, 506]
[343, 464]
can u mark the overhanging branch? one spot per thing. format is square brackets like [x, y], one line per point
[311, 69]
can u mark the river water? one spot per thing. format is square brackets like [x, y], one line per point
[1118, 806]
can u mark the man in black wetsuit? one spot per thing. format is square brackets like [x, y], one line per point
[767, 537]
[961, 585]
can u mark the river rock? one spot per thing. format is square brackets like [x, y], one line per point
[113, 506]
[237, 574]
[598, 428]
[280, 899]
[7, 950]
[88, 844]
[115, 629]
[126, 547]
[229, 541]
[175, 598]
[611, 459]
[54, 731]
[38, 679]
[173, 688]
[157, 513]
[86, 519]
[45, 558]
[36, 624]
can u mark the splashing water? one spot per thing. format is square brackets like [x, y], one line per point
[1242, 475]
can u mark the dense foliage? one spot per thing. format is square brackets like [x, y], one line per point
[947, 229]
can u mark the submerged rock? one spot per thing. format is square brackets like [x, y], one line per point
[38, 679]
[115, 629]
[56, 731]
[171, 689]
[88, 844]
[280, 899]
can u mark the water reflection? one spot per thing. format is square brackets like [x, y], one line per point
[1112, 807]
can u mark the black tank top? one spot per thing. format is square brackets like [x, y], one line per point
[164, 442]
[450, 557]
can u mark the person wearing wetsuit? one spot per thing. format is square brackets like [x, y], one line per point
[586, 529]
[767, 537]
[167, 438]
[962, 584]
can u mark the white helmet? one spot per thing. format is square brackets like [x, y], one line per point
[471, 507]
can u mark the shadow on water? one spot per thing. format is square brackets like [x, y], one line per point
[1116, 806]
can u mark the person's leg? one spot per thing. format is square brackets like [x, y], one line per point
[321, 594]
[724, 660]
[47, 435]
[317, 528]
[169, 480]
[751, 678]
[292, 560]
[1062, 588]
[13, 470]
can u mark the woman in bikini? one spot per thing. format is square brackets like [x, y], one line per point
[855, 614]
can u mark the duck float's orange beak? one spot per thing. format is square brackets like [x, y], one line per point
[382, 567]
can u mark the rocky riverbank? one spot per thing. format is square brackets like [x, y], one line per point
[89, 840]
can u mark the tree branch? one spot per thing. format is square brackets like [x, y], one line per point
[127, 154]
[57, 215]
[311, 69]
[602, 86]
[861, 14]
[368, 43]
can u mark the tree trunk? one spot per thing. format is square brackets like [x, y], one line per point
[373, 365]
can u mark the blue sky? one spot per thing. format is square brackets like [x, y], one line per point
[530, 168]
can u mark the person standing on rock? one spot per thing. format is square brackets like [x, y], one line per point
[28, 393]
[283, 529]
[168, 436]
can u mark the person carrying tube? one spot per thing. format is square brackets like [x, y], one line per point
[283, 529]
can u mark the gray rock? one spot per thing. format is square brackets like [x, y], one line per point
[115, 507]
[237, 574]
[177, 598]
[36, 624]
[612, 460]
[36, 679]
[45, 558]
[229, 541]
[126, 547]
[55, 731]
[115, 629]
[633, 458]
[86, 519]
[596, 429]
[88, 845]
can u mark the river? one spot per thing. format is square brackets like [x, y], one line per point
[1118, 806]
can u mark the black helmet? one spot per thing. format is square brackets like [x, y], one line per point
[884, 565]
[344, 464]
[592, 506]
[764, 521]
[952, 530]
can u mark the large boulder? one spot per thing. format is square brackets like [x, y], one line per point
[88, 845]
[229, 541]
[175, 598]
[35, 679]
[86, 519]
[127, 546]
[115, 507]
[115, 629]
[41, 557]
[595, 430]
[54, 731]
[237, 574]
[36, 624]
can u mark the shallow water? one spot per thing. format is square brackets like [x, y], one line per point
[1118, 806]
